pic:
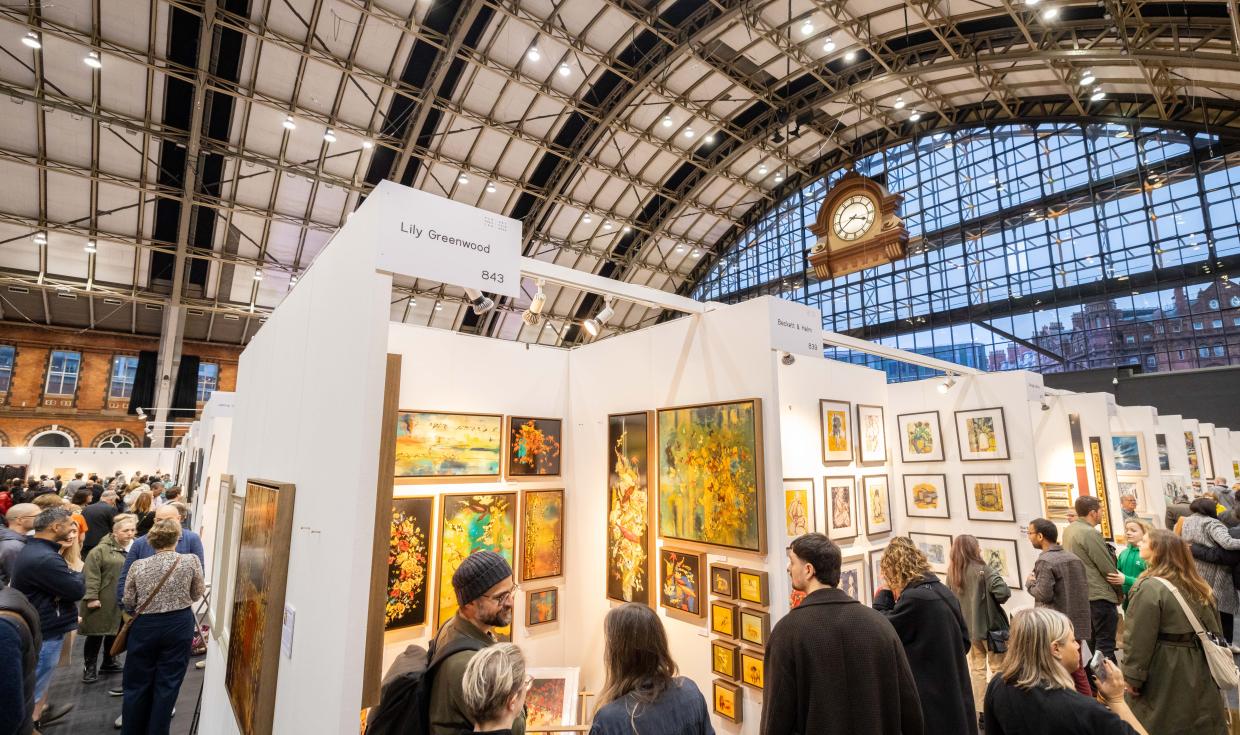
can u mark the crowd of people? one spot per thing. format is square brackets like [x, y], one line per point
[108, 559]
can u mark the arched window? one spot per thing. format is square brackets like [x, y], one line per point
[52, 438]
[116, 439]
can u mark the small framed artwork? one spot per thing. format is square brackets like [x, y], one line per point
[925, 496]
[989, 497]
[1129, 452]
[542, 534]
[753, 585]
[1057, 500]
[723, 659]
[1134, 487]
[753, 668]
[680, 581]
[877, 580]
[723, 618]
[1207, 457]
[982, 434]
[1001, 553]
[936, 546]
[877, 502]
[921, 437]
[798, 507]
[1164, 458]
[552, 697]
[542, 606]
[834, 418]
[723, 580]
[841, 514]
[852, 577]
[871, 434]
[534, 446]
[727, 700]
[755, 626]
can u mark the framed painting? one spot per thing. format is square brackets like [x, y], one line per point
[798, 507]
[469, 523]
[755, 626]
[253, 662]
[936, 546]
[542, 606]
[925, 496]
[871, 434]
[723, 580]
[409, 563]
[852, 578]
[1129, 452]
[1100, 490]
[921, 437]
[753, 585]
[723, 661]
[877, 501]
[629, 535]
[989, 497]
[1194, 464]
[982, 434]
[1135, 487]
[1206, 453]
[727, 700]
[723, 618]
[834, 417]
[841, 512]
[552, 697]
[542, 534]
[680, 577]
[1164, 457]
[434, 447]
[877, 580]
[1057, 500]
[1001, 553]
[534, 446]
[710, 475]
[753, 668]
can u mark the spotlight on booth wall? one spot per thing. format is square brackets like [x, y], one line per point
[787, 358]
[533, 315]
[595, 326]
[946, 385]
[481, 304]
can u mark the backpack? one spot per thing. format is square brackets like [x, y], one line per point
[405, 700]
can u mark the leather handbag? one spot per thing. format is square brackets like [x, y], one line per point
[122, 638]
[1218, 656]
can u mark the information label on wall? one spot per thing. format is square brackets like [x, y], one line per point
[796, 328]
[423, 235]
[286, 631]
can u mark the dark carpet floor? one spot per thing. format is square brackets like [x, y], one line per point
[95, 712]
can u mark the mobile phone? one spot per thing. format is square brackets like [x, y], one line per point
[1098, 665]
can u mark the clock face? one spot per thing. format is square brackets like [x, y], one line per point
[853, 217]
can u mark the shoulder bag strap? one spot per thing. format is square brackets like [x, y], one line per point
[159, 586]
[1188, 613]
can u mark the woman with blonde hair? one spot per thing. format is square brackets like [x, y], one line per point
[1169, 683]
[142, 509]
[1034, 693]
[1130, 564]
[927, 617]
[494, 688]
[982, 592]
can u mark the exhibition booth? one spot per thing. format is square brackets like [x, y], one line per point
[67, 461]
[671, 465]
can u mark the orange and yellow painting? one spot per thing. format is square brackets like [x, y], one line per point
[534, 447]
[409, 559]
[628, 508]
[470, 523]
[542, 533]
[430, 445]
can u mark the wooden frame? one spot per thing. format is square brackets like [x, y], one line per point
[759, 474]
[755, 626]
[722, 691]
[753, 585]
[441, 563]
[1137, 439]
[872, 527]
[849, 530]
[1100, 491]
[862, 457]
[1000, 432]
[443, 479]
[697, 561]
[938, 451]
[723, 618]
[251, 692]
[937, 566]
[910, 500]
[807, 487]
[530, 622]
[1006, 514]
[509, 423]
[749, 661]
[719, 574]
[723, 659]
[1014, 581]
[1205, 453]
[838, 456]
[525, 556]
[402, 554]
[648, 570]
[863, 584]
[1057, 500]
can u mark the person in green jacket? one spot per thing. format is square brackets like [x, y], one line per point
[101, 615]
[1130, 563]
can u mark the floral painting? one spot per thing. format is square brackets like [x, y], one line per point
[534, 447]
[921, 437]
[409, 559]
[552, 697]
[680, 581]
[628, 508]
[710, 475]
[542, 534]
[470, 523]
[432, 445]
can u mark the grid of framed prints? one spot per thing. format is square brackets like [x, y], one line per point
[871, 434]
[876, 499]
[982, 434]
[723, 659]
[753, 668]
[936, 546]
[841, 511]
[925, 496]
[989, 497]
[799, 507]
[852, 578]
[1002, 554]
[753, 585]
[921, 437]
[755, 626]
[835, 420]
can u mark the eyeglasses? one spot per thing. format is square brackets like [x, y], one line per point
[504, 597]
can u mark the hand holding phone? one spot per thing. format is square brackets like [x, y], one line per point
[1097, 664]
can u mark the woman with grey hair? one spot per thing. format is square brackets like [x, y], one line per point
[494, 688]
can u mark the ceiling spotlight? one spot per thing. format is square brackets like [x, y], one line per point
[90, 246]
[141, 414]
[1050, 13]
[667, 121]
[762, 170]
[779, 177]
[710, 138]
[1032, 2]
[368, 144]
[462, 179]
[607, 225]
[490, 188]
[626, 228]
[899, 103]
[565, 69]
[533, 54]
[93, 61]
[696, 253]
[292, 281]
[1087, 78]
[586, 218]
[533, 315]
[258, 274]
[680, 248]
[329, 136]
[481, 304]
[946, 385]
[915, 116]
[807, 28]
[289, 124]
[689, 133]
[438, 307]
[850, 56]
[1097, 94]
[594, 326]
[40, 238]
[31, 40]
[828, 45]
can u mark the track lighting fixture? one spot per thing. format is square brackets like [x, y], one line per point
[533, 315]
[899, 103]
[689, 133]
[1050, 13]
[40, 238]
[462, 179]
[807, 28]
[1046, 406]
[490, 188]
[594, 326]
[1098, 94]
[710, 138]
[946, 385]
[258, 274]
[914, 116]
[850, 57]
[481, 304]
[1087, 78]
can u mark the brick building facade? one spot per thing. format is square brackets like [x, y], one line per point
[62, 387]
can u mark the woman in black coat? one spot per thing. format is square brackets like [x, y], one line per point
[926, 616]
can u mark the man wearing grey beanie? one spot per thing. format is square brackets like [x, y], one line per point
[484, 596]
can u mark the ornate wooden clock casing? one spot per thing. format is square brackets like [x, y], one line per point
[858, 227]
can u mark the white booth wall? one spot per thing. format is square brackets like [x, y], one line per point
[1143, 420]
[1172, 427]
[105, 462]
[213, 436]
